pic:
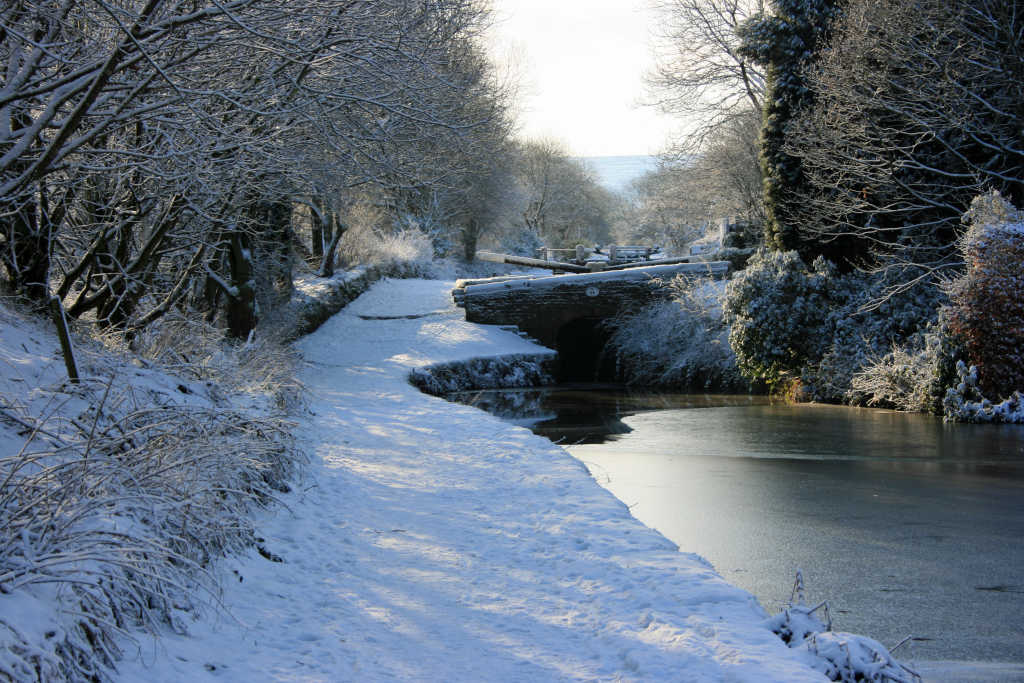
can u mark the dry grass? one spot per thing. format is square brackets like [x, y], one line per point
[371, 239]
[125, 491]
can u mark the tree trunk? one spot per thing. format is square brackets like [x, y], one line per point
[318, 226]
[241, 297]
[274, 226]
[26, 253]
[470, 237]
[327, 264]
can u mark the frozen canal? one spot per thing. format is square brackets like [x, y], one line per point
[908, 526]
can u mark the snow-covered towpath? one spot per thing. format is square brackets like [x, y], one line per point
[430, 541]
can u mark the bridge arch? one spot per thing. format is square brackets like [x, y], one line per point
[582, 345]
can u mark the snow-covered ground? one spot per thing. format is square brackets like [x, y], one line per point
[430, 541]
[424, 541]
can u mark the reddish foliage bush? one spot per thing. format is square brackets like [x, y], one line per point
[988, 301]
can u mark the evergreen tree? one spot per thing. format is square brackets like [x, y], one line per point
[785, 43]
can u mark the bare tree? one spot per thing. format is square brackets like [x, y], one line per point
[704, 78]
[563, 203]
[150, 145]
[700, 75]
[918, 109]
[674, 204]
[727, 172]
[78, 75]
[660, 211]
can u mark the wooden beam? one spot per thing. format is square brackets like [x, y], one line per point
[531, 262]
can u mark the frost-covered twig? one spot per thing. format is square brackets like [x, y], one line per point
[840, 656]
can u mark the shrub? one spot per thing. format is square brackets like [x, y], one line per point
[868, 322]
[813, 330]
[912, 375]
[777, 310]
[362, 245]
[901, 379]
[987, 310]
[679, 343]
[521, 242]
[439, 234]
[373, 239]
[964, 402]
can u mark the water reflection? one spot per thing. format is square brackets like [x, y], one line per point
[757, 427]
[909, 526]
[586, 413]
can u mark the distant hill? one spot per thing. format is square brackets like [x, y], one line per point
[615, 173]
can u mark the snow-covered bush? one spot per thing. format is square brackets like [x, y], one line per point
[816, 329]
[372, 238]
[965, 402]
[843, 657]
[869, 320]
[913, 375]
[439, 234]
[901, 379]
[682, 342]
[987, 310]
[777, 311]
[521, 242]
[365, 246]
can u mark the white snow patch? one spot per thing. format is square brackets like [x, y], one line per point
[430, 541]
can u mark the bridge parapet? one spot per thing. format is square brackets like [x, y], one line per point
[542, 306]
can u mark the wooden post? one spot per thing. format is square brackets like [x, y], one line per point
[613, 252]
[57, 311]
[581, 253]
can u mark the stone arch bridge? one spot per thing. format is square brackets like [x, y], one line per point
[565, 312]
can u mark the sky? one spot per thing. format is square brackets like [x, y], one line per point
[581, 64]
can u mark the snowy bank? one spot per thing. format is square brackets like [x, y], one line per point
[430, 541]
[118, 493]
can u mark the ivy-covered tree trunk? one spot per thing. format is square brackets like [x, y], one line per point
[785, 43]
